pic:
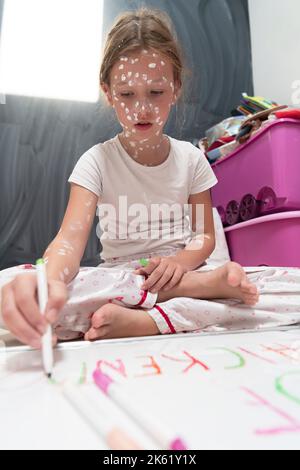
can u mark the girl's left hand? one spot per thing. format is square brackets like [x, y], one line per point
[163, 274]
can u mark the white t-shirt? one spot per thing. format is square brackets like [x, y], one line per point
[130, 195]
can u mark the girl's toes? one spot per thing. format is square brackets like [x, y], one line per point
[90, 335]
[97, 320]
[250, 299]
[102, 316]
[95, 333]
[247, 287]
[247, 300]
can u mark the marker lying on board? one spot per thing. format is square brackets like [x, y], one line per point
[164, 437]
[47, 350]
[98, 419]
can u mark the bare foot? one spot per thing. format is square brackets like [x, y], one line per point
[236, 281]
[115, 321]
[227, 282]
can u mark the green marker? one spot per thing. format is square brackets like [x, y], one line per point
[144, 262]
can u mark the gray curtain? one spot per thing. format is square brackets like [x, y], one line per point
[41, 139]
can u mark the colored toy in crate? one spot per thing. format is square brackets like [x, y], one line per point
[254, 104]
[268, 201]
[232, 212]
[293, 113]
[254, 122]
[250, 207]
[260, 176]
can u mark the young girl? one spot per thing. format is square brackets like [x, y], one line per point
[140, 168]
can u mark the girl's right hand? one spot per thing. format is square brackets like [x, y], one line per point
[20, 309]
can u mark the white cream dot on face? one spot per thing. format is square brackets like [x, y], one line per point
[121, 67]
[133, 144]
[126, 110]
[123, 77]
[156, 109]
[130, 83]
[145, 77]
[129, 74]
[149, 82]
[137, 75]
[66, 271]
[162, 63]
[129, 118]
[137, 104]
[157, 119]
[116, 77]
[152, 66]
[123, 104]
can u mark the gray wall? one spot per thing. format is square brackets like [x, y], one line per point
[41, 139]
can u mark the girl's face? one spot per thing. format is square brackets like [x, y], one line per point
[142, 91]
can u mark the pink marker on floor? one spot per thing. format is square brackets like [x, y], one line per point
[163, 436]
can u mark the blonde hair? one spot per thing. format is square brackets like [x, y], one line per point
[143, 28]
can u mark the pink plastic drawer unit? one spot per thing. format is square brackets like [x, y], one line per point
[271, 240]
[262, 176]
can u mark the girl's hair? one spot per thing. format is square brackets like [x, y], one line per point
[143, 28]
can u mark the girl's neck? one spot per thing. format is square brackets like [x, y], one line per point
[150, 151]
